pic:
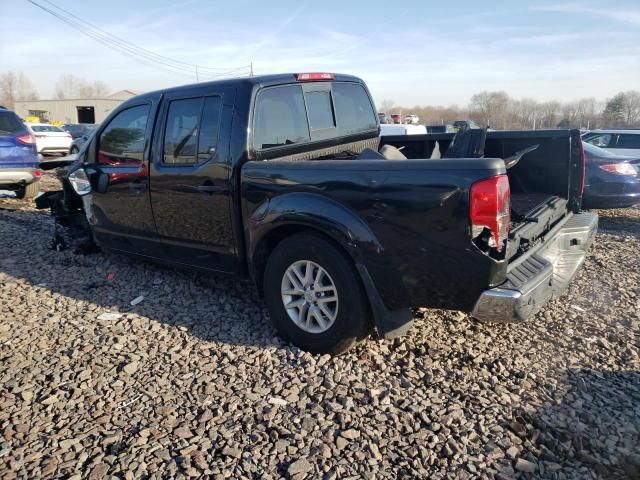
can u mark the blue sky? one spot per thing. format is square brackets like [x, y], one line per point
[412, 52]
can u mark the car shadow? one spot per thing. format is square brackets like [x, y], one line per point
[618, 224]
[590, 425]
[213, 308]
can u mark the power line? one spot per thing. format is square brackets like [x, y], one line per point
[139, 53]
[142, 49]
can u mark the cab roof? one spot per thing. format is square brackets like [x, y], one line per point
[258, 80]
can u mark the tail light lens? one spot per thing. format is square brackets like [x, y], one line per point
[620, 169]
[26, 139]
[37, 173]
[490, 202]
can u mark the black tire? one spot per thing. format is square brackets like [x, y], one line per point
[353, 319]
[29, 191]
[73, 150]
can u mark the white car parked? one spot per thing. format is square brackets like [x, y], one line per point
[49, 138]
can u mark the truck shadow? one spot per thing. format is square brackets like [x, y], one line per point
[619, 224]
[213, 308]
[592, 427]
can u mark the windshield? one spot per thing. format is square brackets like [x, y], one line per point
[45, 128]
[10, 123]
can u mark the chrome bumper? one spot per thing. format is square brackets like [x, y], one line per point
[545, 274]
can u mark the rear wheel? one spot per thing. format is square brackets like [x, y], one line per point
[314, 295]
[73, 150]
[29, 191]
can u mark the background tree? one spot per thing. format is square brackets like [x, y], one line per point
[15, 87]
[386, 106]
[70, 86]
[614, 112]
[490, 108]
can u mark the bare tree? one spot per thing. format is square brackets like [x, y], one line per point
[490, 108]
[15, 87]
[632, 107]
[386, 106]
[70, 86]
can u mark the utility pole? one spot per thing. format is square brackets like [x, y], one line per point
[197, 79]
[251, 70]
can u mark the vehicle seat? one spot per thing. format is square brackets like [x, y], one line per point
[392, 153]
[370, 154]
[467, 143]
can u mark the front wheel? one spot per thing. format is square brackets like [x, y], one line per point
[73, 150]
[314, 295]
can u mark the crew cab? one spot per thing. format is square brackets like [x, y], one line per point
[285, 181]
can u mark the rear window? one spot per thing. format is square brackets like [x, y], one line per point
[10, 123]
[629, 141]
[46, 128]
[354, 112]
[280, 117]
[319, 110]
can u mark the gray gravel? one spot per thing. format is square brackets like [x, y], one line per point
[192, 380]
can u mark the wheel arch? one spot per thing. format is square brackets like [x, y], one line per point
[294, 213]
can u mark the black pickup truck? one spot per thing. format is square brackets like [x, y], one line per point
[284, 180]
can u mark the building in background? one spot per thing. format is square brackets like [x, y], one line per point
[71, 110]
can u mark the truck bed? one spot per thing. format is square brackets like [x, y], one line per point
[524, 205]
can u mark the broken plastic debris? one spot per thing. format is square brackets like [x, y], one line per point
[137, 300]
[110, 276]
[109, 316]
[576, 307]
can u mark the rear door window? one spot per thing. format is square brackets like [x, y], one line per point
[280, 118]
[602, 140]
[122, 141]
[209, 128]
[191, 130]
[181, 131]
[10, 123]
[629, 141]
[354, 112]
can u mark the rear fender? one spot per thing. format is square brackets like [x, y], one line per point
[317, 213]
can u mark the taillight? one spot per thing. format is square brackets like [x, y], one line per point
[26, 139]
[620, 169]
[307, 77]
[37, 173]
[491, 210]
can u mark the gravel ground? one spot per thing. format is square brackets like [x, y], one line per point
[192, 380]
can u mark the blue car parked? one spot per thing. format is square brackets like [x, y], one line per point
[611, 181]
[18, 157]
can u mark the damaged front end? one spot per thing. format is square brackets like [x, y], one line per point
[71, 228]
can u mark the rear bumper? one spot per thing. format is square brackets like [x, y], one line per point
[535, 279]
[11, 177]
